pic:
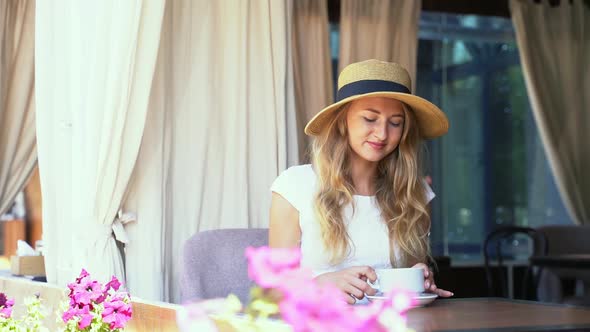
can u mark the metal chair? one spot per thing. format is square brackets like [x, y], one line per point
[540, 246]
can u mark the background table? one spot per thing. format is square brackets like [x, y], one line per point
[576, 261]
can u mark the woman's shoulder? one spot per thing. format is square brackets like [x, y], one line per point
[294, 184]
[305, 170]
[296, 175]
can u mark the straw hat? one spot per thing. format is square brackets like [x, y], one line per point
[374, 78]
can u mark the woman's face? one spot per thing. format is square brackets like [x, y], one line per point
[375, 127]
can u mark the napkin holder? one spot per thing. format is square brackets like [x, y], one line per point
[27, 265]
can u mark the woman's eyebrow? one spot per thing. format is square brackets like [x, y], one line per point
[400, 115]
[372, 110]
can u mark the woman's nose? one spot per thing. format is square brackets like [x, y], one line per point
[381, 132]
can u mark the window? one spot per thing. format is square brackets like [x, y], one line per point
[490, 169]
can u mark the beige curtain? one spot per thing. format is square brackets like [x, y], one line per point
[94, 68]
[217, 134]
[554, 46]
[380, 29]
[312, 65]
[18, 150]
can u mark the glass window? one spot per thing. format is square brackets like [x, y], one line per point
[490, 169]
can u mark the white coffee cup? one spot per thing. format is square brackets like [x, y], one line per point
[406, 279]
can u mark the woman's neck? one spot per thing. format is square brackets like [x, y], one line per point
[363, 176]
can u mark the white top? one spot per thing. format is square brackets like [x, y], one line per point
[366, 229]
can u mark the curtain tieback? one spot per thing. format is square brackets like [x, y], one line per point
[118, 225]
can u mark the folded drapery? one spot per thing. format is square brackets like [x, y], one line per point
[94, 67]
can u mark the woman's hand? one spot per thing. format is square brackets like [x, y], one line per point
[352, 281]
[429, 285]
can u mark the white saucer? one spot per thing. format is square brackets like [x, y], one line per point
[420, 299]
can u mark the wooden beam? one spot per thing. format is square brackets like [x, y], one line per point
[468, 7]
[465, 7]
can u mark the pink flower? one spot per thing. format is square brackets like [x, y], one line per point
[82, 313]
[308, 306]
[73, 312]
[6, 310]
[83, 274]
[87, 291]
[113, 284]
[68, 314]
[401, 301]
[367, 316]
[316, 308]
[197, 316]
[5, 306]
[85, 296]
[266, 266]
[293, 282]
[305, 305]
[396, 304]
[116, 313]
[85, 320]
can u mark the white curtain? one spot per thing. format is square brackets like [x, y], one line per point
[554, 47]
[380, 29]
[219, 130]
[94, 67]
[18, 150]
[312, 65]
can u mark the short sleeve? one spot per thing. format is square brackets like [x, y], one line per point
[429, 193]
[286, 185]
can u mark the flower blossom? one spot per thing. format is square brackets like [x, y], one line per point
[5, 306]
[267, 266]
[309, 306]
[105, 308]
[116, 312]
[83, 314]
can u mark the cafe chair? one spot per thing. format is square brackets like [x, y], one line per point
[559, 285]
[214, 264]
[498, 286]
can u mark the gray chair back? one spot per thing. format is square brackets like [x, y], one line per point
[214, 263]
[563, 240]
[566, 239]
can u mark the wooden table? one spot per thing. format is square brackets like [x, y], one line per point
[498, 314]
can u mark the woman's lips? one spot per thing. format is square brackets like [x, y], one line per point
[377, 146]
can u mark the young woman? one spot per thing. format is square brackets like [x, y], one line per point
[362, 203]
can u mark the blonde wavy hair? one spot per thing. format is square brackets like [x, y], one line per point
[400, 192]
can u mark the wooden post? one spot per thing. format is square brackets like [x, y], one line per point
[13, 230]
[33, 204]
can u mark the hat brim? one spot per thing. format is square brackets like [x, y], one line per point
[431, 120]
